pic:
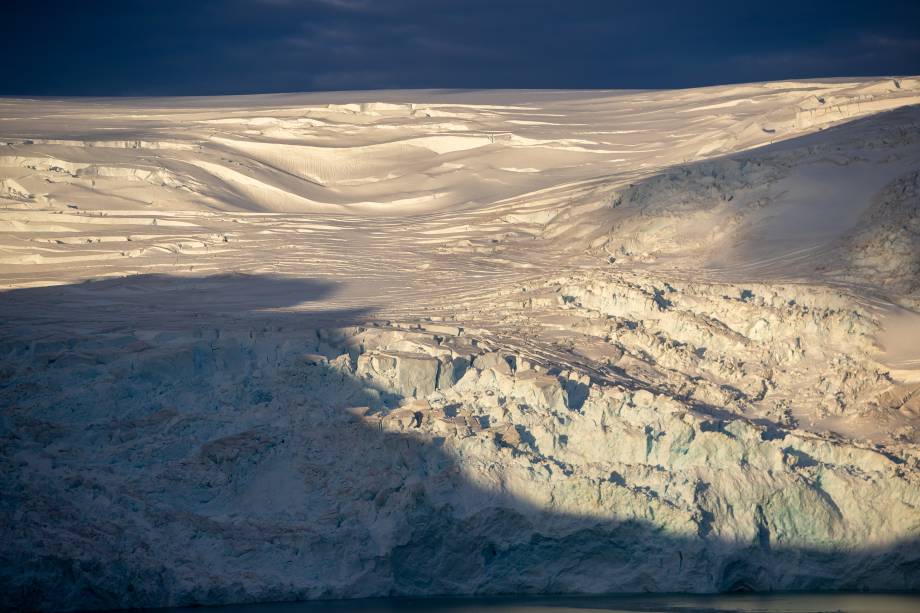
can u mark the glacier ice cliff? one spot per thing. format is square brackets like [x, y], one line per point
[271, 458]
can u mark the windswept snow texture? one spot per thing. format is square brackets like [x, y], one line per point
[426, 342]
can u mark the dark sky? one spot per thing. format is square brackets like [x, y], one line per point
[169, 47]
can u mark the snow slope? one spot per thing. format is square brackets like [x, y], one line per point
[433, 342]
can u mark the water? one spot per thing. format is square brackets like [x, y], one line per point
[668, 603]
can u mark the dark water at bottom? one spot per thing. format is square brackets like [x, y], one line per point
[667, 603]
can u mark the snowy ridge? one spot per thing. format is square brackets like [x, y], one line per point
[325, 345]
